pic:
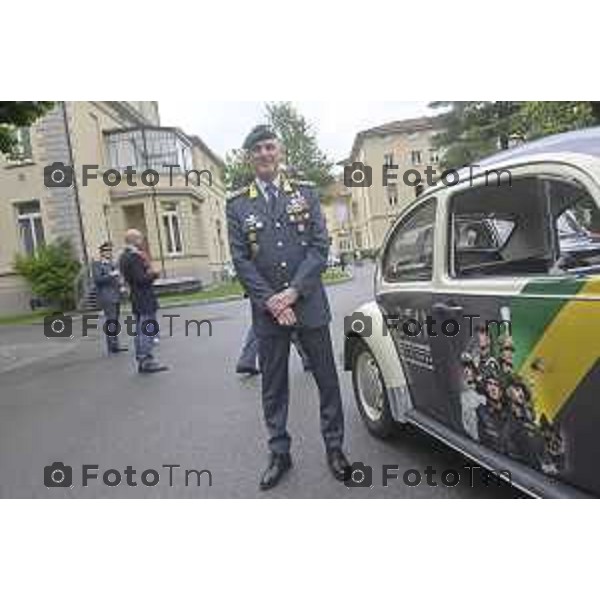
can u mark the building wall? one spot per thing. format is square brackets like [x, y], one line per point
[213, 213]
[336, 207]
[77, 129]
[373, 211]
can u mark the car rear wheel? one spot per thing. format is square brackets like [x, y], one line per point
[370, 392]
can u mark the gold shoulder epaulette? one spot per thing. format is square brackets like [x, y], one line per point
[237, 193]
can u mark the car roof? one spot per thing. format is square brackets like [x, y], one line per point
[582, 141]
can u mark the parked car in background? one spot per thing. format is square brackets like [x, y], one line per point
[516, 267]
[333, 261]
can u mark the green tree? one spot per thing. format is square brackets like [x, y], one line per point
[18, 114]
[300, 142]
[51, 273]
[238, 169]
[537, 119]
[302, 157]
[472, 130]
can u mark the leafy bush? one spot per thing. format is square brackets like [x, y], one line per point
[51, 272]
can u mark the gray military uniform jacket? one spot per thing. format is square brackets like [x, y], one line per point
[277, 244]
[107, 285]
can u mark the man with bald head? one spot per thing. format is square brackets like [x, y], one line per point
[140, 277]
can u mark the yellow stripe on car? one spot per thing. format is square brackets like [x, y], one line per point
[566, 352]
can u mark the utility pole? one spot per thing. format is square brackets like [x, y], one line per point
[155, 207]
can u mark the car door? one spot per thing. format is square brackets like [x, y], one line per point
[528, 356]
[405, 296]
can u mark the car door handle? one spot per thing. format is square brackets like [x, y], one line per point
[452, 309]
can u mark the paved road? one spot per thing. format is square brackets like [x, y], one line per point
[61, 401]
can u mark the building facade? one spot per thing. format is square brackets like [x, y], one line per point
[405, 144]
[336, 203]
[182, 214]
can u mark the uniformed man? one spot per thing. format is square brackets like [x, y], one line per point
[279, 246]
[108, 294]
[493, 416]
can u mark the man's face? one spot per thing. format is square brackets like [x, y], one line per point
[469, 374]
[265, 157]
[106, 254]
[494, 391]
[517, 397]
[484, 341]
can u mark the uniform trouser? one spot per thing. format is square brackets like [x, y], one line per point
[112, 312]
[249, 356]
[274, 353]
[144, 344]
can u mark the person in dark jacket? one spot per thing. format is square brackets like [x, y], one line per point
[108, 294]
[140, 277]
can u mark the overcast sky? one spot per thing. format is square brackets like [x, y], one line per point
[224, 124]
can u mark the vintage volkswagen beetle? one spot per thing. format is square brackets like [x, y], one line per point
[517, 267]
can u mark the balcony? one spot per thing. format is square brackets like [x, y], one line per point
[148, 148]
[165, 150]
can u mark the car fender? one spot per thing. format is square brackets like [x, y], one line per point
[384, 350]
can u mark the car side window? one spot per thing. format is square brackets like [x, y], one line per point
[501, 231]
[577, 226]
[409, 252]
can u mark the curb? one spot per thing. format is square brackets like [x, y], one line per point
[200, 302]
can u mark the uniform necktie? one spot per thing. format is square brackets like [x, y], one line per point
[271, 191]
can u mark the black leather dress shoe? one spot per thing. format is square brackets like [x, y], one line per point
[247, 371]
[279, 464]
[338, 464]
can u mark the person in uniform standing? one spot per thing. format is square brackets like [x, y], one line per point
[279, 246]
[107, 281]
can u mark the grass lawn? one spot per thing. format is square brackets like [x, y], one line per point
[25, 318]
[222, 290]
[234, 289]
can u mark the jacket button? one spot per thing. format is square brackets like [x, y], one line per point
[277, 224]
[279, 244]
[303, 243]
[283, 264]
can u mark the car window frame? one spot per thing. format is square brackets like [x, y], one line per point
[450, 249]
[404, 217]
